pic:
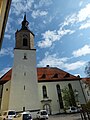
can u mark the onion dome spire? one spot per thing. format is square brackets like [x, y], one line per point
[25, 23]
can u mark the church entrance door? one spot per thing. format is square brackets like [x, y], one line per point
[47, 108]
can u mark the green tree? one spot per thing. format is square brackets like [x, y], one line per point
[87, 106]
[66, 97]
[72, 97]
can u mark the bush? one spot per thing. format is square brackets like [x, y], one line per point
[88, 105]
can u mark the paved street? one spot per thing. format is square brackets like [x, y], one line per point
[66, 117]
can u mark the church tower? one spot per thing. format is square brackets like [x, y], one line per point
[24, 84]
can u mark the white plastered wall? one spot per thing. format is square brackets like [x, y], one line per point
[24, 86]
[52, 92]
[5, 96]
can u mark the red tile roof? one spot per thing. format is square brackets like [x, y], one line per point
[86, 80]
[53, 74]
[45, 74]
[6, 77]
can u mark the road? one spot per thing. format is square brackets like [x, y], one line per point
[66, 117]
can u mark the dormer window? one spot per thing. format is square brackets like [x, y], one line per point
[67, 75]
[43, 76]
[25, 43]
[55, 75]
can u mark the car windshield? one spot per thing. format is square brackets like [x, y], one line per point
[73, 108]
[44, 113]
[27, 116]
[11, 113]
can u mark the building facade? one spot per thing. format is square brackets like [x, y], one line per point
[86, 88]
[4, 11]
[52, 83]
[22, 88]
[26, 87]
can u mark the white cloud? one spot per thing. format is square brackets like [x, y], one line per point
[63, 32]
[44, 44]
[82, 51]
[61, 63]
[39, 13]
[15, 1]
[85, 25]
[51, 36]
[74, 66]
[2, 72]
[70, 19]
[8, 36]
[19, 6]
[20, 20]
[80, 3]
[52, 60]
[80, 17]
[9, 28]
[43, 3]
[84, 13]
[8, 51]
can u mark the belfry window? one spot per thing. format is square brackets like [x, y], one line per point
[25, 43]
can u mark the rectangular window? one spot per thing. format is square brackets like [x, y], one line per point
[24, 87]
[25, 56]
[24, 73]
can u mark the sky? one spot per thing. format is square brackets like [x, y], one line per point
[62, 33]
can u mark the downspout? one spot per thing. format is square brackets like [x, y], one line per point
[83, 91]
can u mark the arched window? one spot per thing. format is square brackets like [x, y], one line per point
[70, 86]
[72, 97]
[58, 89]
[25, 42]
[44, 91]
[59, 96]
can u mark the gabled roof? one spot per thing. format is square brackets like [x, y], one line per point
[53, 74]
[6, 77]
[45, 74]
[86, 80]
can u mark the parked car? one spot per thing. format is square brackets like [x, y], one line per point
[72, 110]
[23, 116]
[42, 114]
[8, 115]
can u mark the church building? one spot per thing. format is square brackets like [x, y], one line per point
[25, 87]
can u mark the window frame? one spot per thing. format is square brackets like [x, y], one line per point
[44, 90]
[25, 42]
